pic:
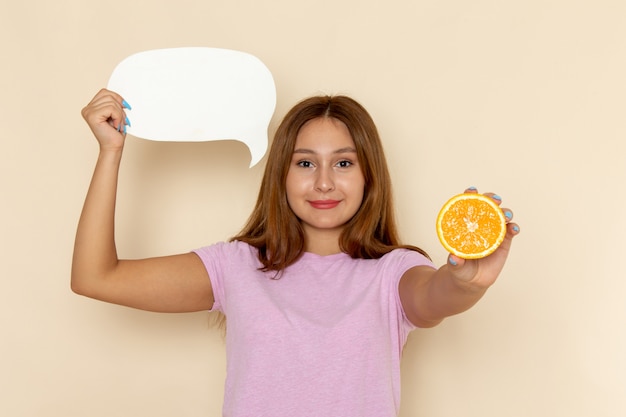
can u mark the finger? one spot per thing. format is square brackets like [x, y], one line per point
[105, 107]
[105, 98]
[107, 112]
[119, 119]
[119, 99]
[513, 229]
[508, 214]
[102, 97]
[495, 197]
[108, 94]
[471, 190]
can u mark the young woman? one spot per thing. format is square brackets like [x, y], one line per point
[318, 292]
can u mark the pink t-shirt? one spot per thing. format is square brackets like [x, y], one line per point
[325, 339]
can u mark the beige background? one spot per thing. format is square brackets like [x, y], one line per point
[525, 98]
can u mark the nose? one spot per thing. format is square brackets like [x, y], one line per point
[324, 180]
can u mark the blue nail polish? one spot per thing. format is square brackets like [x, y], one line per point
[508, 215]
[119, 127]
[452, 261]
[471, 188]
[124, 129]
[515, 229]
[127, 121]
[126, 105]
[496, 197]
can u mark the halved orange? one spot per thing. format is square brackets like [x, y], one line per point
[471, 226]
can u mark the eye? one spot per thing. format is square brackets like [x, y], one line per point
[304, 164]
[344, 163]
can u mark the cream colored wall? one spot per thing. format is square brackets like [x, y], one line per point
[523, 98]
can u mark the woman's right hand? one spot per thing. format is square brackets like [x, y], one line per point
[105, 114]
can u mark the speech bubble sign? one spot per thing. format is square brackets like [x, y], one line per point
[197, 94]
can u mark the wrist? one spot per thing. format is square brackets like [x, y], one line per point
[109, 155]
[465, 278]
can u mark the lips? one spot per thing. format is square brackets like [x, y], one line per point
[324, 204]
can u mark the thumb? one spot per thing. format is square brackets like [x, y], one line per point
[462, 269]
[455, 261]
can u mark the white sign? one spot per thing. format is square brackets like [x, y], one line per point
[197, 94]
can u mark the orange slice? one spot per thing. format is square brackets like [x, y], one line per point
[471, 226]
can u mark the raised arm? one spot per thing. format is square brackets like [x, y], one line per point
[428, 296]
[177, 283]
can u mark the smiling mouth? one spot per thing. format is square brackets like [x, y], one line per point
[324, 204]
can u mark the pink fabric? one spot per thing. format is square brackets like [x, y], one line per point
[323, 340]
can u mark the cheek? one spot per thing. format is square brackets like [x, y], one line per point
[360, 192]
[355, 185]
[297, 182]
[361, 195]
[293, 186]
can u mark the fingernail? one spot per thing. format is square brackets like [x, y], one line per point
[515, 228]
[126, 105]
[452, 261]
[127, 121]
[496, 197]
[119, 127]
[471, 188]
[508, 214]
[124, 129]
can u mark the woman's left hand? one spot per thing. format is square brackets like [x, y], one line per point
[484, 271]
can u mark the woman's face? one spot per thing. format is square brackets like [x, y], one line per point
[325, 184]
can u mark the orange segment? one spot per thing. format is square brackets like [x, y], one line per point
[471, 226]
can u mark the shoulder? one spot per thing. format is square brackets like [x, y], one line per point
[396, 263]
[234, 248]
[405, 258]
[226, 251]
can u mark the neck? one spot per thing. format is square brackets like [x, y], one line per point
[322, 242]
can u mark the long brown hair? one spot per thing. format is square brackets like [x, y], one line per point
[275, 230]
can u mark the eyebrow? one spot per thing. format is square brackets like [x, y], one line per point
[347, 149]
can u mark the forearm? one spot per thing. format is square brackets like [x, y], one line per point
[94, 248]
[428, 296]
[447, 295]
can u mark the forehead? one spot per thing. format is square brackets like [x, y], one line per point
[324, 132]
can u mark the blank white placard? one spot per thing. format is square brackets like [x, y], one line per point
[197, 94]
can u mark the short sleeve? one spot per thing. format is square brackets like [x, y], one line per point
[213, 258]
[401, 260]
